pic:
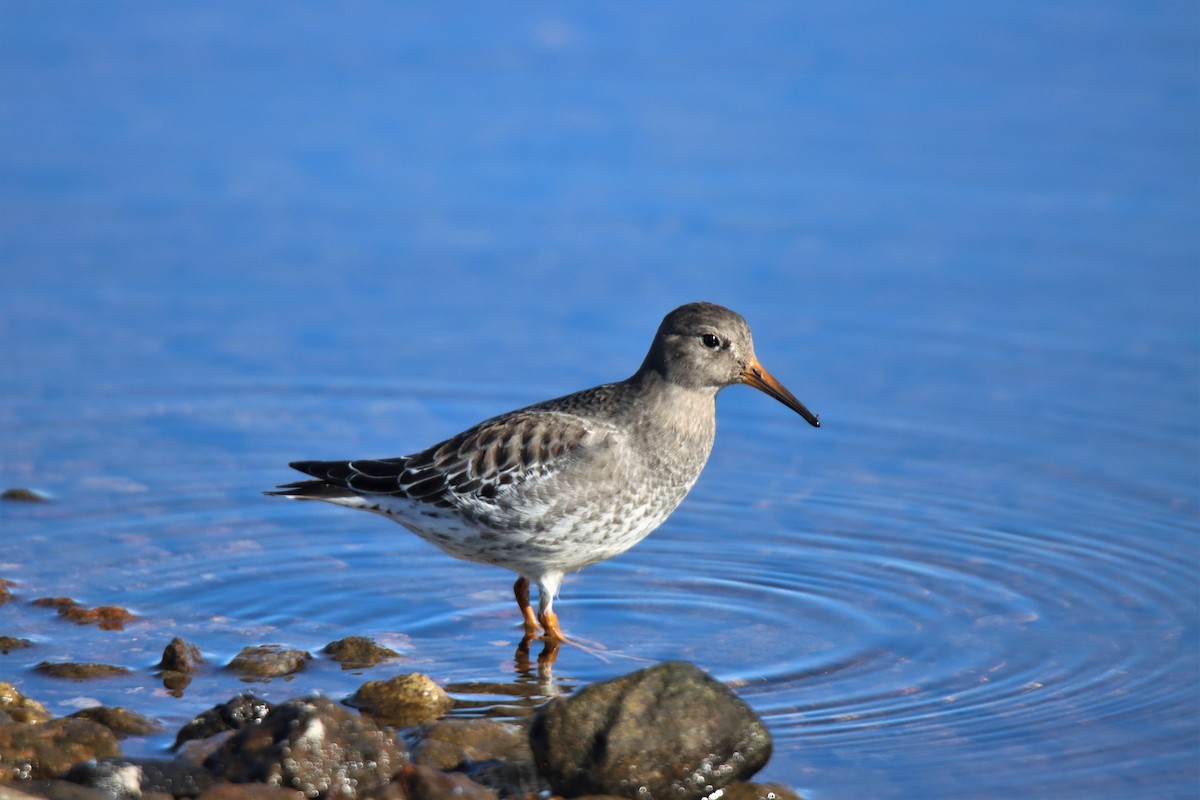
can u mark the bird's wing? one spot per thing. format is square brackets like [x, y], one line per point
[479, 464]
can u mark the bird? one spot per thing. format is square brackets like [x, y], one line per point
[566, 483]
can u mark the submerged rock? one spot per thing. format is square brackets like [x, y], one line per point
[268, 661]
[48, 749]
[9, 643]
[358, 651]
[667, 731]
[312, 745]
[109, 618]
[79, 670]
[19, 708]
[402, 700]
[129, 779]
[243, 710]
[21, 494]
[120, 721]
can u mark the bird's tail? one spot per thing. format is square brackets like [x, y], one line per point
[330, 484]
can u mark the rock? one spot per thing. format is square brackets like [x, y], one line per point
[79, 671]
[669, 730]
[250, 791]
[21, 494]
[312, 745]
[8, 643]
[20, 708]
[197, 751]
[52, 789]
[180, 660]
[741, 790]
[508, 778]
[180, 656]
[5, 591]
[268, 661]
[129, 779]
[245, 709]
[448, 744]
[48, 749]
[358, 651]
[120, 721]
[426, 783]
[402, 700]
[110, 618]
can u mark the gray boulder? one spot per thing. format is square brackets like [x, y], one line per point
[667, 731]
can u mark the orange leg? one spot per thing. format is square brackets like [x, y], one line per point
[549, 622]
[521, 592]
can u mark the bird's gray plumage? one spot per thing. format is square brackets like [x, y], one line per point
[571, 481]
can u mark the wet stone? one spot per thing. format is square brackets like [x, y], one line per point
[120, 721]
[250, 791]
[312, 745]
[134, 778]
[743, 790]
[450, 744]
[20, 708]
[110, 618]
[669, 730]
[425, 783]
[21, 494]
[48, 749]
[268, 661]
[79, 671]
[10, 643]
[245, 709]
[52, 789]
[403, 700]
[180, 656]
[5, 591]
[358, 651]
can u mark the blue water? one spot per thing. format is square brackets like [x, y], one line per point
[967, 234]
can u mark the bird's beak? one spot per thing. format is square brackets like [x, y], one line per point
[755, 375]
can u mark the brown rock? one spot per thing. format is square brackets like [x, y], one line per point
[110, 618]
[48, 749]
[449, 743]
[245, 709]
[8, 643]
[121, 721]
[250, 791]
[180, 656]
[743, 790]
[268, 661]
[52, 789]
[79, 671]
[20, 708]
[314, 746]
[425, 783]
[21, 494]
[402, 700]
[358, 651]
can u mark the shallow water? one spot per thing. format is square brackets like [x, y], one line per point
[965, 235]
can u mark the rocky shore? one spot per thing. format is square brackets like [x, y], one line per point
[666, 731]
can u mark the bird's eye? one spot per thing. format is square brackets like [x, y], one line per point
[711, 341]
